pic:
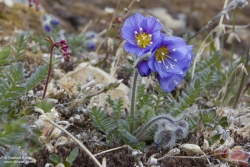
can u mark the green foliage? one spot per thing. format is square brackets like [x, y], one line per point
[208, 63]
[45, 105]
[100, 120]
[208, 120]
[12, 132]
[10, 86]
[19, 48]
[116, 106]
[72, 156]
[156, 100]
[39, 75]
[54, 159]
[144, 115]
[4, 54]
[75, 42]
[116, 129]
[188, 97]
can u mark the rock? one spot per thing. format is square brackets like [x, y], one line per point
[81, 73]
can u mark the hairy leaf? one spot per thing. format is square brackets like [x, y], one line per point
[39, 75]
[100, 119]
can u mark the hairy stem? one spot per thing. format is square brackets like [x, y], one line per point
[77, 141]
[241, 82]
[49, 70]
[133, 100]
[141, 131]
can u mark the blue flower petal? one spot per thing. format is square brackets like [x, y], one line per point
[138, 23]
[143, 69]
[128, 34]
[131, 25]
[176, 46]
[168, 84]
[134, 21]
[150, 25]
[163, 71]
[168, 67]
[134, 49]
[151, 63]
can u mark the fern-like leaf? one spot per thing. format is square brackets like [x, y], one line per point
[117, 107]
[100, 119]
[39, 75]
[189, 96]
[127, 138]
[19, 47]
[207, 63]
[144, 115]
[12, 132]
[10, 89]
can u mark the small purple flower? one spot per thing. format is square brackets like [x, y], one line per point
[47, 28]
[171, 59]
[92, 46]
[55, 22]
[141, 34]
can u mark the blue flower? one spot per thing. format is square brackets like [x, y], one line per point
[170, 60]
[143, 68]
[55, 22]
[47, 28]
[168, 84]
[141, 34]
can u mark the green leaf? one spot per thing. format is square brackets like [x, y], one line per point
[215, 138]
[131, 62]
[100, 119]
[5, 52]
[17, 89]
[4, 62]
[12, 95]
[117, 107]
[19, 48]
[209, 117]
[12, 131]
[123, 124]
[224, 124]
[72, 156]
[66, 164]
[129, 139]
[54, 159]
[45, 105]
[39, 75]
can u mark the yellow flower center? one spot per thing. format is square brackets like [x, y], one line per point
[161, 54]
[143, 40]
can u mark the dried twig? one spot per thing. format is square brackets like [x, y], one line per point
[71, 136]
[113, 149]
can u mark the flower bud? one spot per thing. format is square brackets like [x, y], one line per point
[165, 138]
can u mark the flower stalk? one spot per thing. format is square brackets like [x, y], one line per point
[63, 48]
[51, 42]
[133, 100]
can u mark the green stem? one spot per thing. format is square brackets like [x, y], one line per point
[49, 70]
[242, 81]
[133, 100]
